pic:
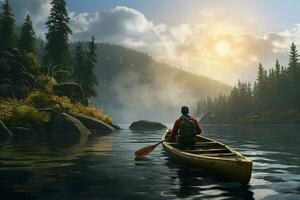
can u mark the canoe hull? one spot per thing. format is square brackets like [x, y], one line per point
[235, 169]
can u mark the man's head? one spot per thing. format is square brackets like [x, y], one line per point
[184, 110]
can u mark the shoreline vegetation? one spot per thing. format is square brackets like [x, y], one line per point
[274, 98]
[46, 98]
[273, 117]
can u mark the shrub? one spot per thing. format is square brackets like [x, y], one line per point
[32, 64]
[17, 113]
[92, 112]
[45, 84]
[38, 99]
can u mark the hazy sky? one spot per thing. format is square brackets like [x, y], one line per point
[263, 15]
[224, 39]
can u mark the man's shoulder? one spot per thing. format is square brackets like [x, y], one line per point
[178, 119]
[194, 119]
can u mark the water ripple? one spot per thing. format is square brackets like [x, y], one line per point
[104, 168]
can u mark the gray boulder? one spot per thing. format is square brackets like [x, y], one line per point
[147, 125]
[5, 81]
[29, 78]
[115, 126]
[67, 128]
[5, 133]
[94, 125]
[20, 91]
[13, 91]
[7, 90]
[71, 90]
[23, 134]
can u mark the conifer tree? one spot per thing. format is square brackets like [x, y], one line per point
[8, 35]
[293, 72]
[91, 77]
[261, 87]
[57, 47]
[27, 37]
[83, 68]
[277, 69]
[79, 62]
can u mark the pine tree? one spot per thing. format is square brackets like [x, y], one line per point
[57, 47]
[8, 35]
[27, 37]
[83, 68]
[261, 87]
[91, 63]
[79, 62]
[293, 72]
[92, 51]
[277, 69]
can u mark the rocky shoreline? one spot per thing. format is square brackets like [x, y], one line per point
[63, 127]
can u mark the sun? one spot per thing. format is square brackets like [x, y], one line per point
[222, 48]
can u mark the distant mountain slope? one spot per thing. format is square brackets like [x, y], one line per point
[132, 85]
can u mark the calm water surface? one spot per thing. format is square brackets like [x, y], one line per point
[103, 167]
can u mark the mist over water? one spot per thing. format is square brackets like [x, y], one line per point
[154, 92]
[159, 100]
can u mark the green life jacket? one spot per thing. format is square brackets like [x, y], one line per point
[187, 129]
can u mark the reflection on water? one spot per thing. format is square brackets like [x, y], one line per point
[103, 167]
[197, 183]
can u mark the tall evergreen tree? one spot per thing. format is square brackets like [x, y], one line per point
[27, 37]
[92, 51]
[79, 62]
[277, 69]
[57, 47]
[91, 76]
[83, 68]
[293, 71]
[8, 35]
[261, 87]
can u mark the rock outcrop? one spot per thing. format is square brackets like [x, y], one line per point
[71, 90]
[95, 125]
[67, 128]
[24, 134]
[147, 125]
[5, 133]
[115, 126]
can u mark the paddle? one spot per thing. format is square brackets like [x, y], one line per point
[146, 150]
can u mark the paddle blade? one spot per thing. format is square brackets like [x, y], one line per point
[144, 151]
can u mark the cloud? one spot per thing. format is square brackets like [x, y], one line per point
[190, 46]
[128, 27]
[38, 10]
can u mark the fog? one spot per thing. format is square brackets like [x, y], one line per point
[155, 94]
[158, 101]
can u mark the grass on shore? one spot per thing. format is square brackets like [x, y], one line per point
[15, 112]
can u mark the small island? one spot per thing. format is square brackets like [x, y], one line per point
[147, 125]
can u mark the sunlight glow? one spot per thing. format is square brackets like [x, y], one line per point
[222, 48]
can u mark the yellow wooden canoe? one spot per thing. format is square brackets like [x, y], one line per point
[213, 156]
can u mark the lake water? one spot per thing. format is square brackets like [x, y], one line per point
[103, 167]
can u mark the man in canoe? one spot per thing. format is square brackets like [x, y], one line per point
[185, 129]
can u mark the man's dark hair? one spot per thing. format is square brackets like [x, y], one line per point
[184, 110]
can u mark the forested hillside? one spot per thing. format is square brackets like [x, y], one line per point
[133, 85]
[133, 82]
[273, 98]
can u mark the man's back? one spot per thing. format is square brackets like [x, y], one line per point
[186, 128]
[177, 123]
